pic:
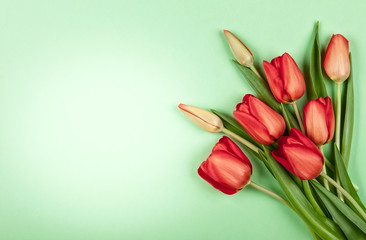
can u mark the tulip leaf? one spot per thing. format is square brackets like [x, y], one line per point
[321, 225]
[348, 213]
[231, 124]
[263, 92]
[259, 86]
[345, 179]
[316, 75]
[348, 119]
[351, 230]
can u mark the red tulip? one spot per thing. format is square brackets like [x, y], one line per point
[227, 168]
[284, 78]
[261, 122]
[299, 155]
[336, 59]
[319, 120]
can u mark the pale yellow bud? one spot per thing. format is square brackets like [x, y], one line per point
[242, 54]
[205, 119]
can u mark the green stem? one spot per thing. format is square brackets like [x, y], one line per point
[338, 129]
[338, 117]
[269, 192]
[296, 109]
[254, 69]
[240, 139]
[325, 182]
[311, 198]
[346, 195]
[329, 164]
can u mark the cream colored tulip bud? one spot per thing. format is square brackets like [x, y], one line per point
[205, 119]
[242, 54]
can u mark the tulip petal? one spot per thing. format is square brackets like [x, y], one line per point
[315, 121]
[293, 80]
[305, 141]
[242, 107]
[255, 129]
[227, 145]
[336, 59]
[276, 62]
[306, 164]
[227, 170]
[275, 82]
[329, 113]
[211, 181]
[278, 155]
[272, 120]
[288, 140]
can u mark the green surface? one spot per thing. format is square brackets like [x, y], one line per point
[92, 144]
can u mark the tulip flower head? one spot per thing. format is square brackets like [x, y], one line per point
[242, 54]
[299, 155]
[336, 59]
[227, 168]
[204, 119]
[284, 78]
[261, 122]
[319, 120]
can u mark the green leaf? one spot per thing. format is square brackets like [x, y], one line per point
[231, 124]
[345, 179]
[322, 226]
[340, 206]
[348, 227]
[260, 87]
[263, 92]
[316, 74]
[348, 119]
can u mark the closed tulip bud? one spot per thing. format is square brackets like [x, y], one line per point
[227, 168]
[299, 155]
[205, 119]
[284, 78]
[336, 59]
[242, 54]
[261, 122]
[319, 120]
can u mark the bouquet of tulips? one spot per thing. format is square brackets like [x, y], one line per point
[270, 126]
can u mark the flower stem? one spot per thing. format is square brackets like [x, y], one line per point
[296, 109]
[329, 164]
[240, 139]
[345, 194]
[338, 129]
[269, 192]
[311, 198]
[254, 69]
[338, 117]
[325, 183]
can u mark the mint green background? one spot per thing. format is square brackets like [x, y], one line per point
[92, 144]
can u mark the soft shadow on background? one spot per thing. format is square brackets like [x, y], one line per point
[92, 144]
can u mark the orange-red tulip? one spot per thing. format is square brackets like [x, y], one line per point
[261, 122]
[299, 155]
[319, 120]
[227, 168]
[336, 59]
[284, 78]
